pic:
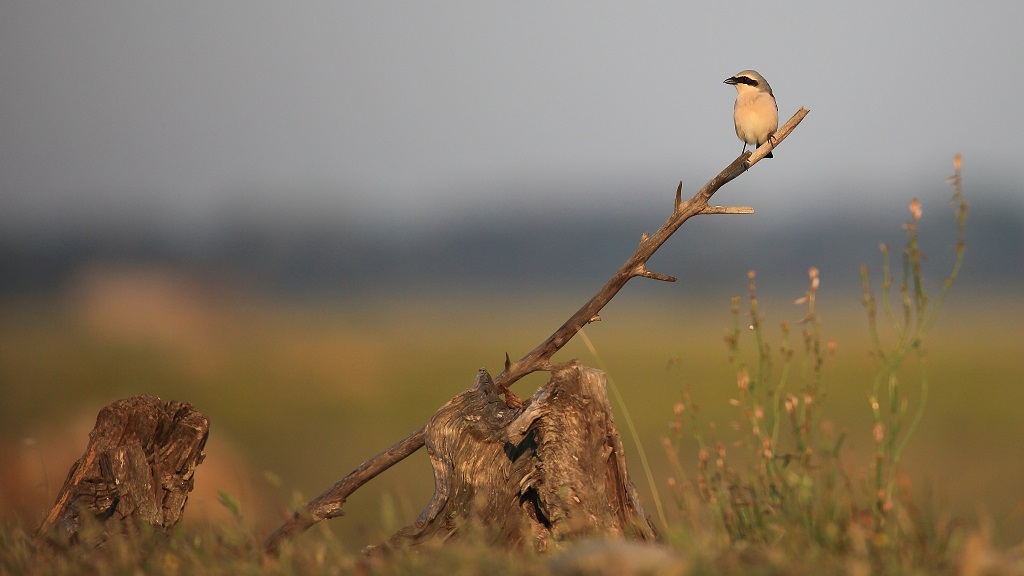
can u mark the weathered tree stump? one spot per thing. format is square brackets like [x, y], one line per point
[138, 467]
[552, 470]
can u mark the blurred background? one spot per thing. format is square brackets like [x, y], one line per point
[316, 222]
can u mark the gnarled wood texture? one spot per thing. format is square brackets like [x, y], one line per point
[137, 467]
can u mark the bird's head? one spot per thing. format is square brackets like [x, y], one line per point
[749, 80]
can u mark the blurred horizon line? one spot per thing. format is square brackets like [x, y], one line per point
[525, 253]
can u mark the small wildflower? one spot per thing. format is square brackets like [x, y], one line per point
[790, 403]
[743, 380]
[915, 209]
[678, 408]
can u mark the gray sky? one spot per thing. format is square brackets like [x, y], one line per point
[391, 112]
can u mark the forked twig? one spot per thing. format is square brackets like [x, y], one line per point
[330, 503]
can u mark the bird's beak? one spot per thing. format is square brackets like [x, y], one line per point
[730, 80]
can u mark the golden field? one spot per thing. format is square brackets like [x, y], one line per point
[300, 392]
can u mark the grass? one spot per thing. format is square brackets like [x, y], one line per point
[832, 443]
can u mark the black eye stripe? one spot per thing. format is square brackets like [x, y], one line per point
[745, 80]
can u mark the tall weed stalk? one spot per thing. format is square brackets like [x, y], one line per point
[908, 323]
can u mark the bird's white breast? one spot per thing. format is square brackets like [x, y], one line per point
[756, 116]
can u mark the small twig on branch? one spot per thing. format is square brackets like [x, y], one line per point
[655, 276]
[329, 504]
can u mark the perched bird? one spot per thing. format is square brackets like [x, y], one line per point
[756, 114]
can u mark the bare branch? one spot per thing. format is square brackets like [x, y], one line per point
[330, 503]
[683, 211]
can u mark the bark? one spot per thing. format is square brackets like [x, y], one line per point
[137, 468]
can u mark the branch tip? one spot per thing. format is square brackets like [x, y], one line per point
[776, 138]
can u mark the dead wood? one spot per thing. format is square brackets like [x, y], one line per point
[137, 467]
[329, 504]
[534, 475]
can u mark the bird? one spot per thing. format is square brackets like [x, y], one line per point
[755, 113]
